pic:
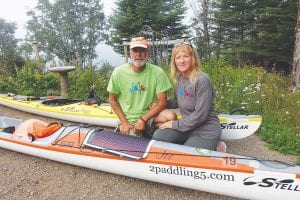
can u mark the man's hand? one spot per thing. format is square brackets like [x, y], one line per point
[125, 128]
[139, 126]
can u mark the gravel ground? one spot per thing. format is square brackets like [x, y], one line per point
[27, 177]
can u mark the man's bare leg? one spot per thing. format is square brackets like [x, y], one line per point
[164, 116]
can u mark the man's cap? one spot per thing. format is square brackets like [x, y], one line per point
[139, 42]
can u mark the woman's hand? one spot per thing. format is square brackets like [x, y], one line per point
[167, 124]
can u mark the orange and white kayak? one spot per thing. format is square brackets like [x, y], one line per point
[233, 126]
[178, 165]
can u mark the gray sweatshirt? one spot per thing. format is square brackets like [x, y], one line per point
[195, 103]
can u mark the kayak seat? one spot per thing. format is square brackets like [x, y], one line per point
[123, 145]
[31, 129]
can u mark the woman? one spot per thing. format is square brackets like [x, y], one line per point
[194, 96]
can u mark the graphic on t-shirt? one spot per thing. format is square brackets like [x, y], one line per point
[137, 88]
[185, 92]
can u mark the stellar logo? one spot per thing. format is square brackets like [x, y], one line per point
[284, 184]
[234, 126]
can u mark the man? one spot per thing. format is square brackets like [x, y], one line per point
[133, 87]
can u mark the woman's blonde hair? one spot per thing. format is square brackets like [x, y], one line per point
[196, 65]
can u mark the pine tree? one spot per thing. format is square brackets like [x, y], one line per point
[234, 21]
[202, 23]
[130, 16]
[275, 31]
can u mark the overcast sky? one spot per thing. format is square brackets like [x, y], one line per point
[15, 11]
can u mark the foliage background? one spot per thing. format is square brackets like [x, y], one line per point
[251, 89]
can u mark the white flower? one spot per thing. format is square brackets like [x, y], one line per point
[258, 86]
[245, 89]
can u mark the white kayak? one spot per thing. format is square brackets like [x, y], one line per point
[178, 165]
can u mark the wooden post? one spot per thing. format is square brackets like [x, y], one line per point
[37, 56]
[125, 44]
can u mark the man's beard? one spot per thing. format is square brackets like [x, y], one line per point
[139, 63]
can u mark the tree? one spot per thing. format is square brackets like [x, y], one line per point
[68, 29]
[202, 24]
[234, 21]
[130, 16]
[296, 58]
[274, 30]
[9, 57]
[106, 70]
[257, 32]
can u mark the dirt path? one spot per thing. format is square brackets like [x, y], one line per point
[27, 177]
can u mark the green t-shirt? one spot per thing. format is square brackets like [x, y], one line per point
[136, 91]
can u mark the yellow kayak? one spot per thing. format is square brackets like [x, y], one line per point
[233, 126]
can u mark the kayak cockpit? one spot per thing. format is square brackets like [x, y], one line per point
[39, 132]
[60, 101]
[32, 129]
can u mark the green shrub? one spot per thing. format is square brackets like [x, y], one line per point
[81, 82]
[259, 92]
[7, 84]
[31, 82]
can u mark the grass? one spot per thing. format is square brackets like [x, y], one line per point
[259, 92]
